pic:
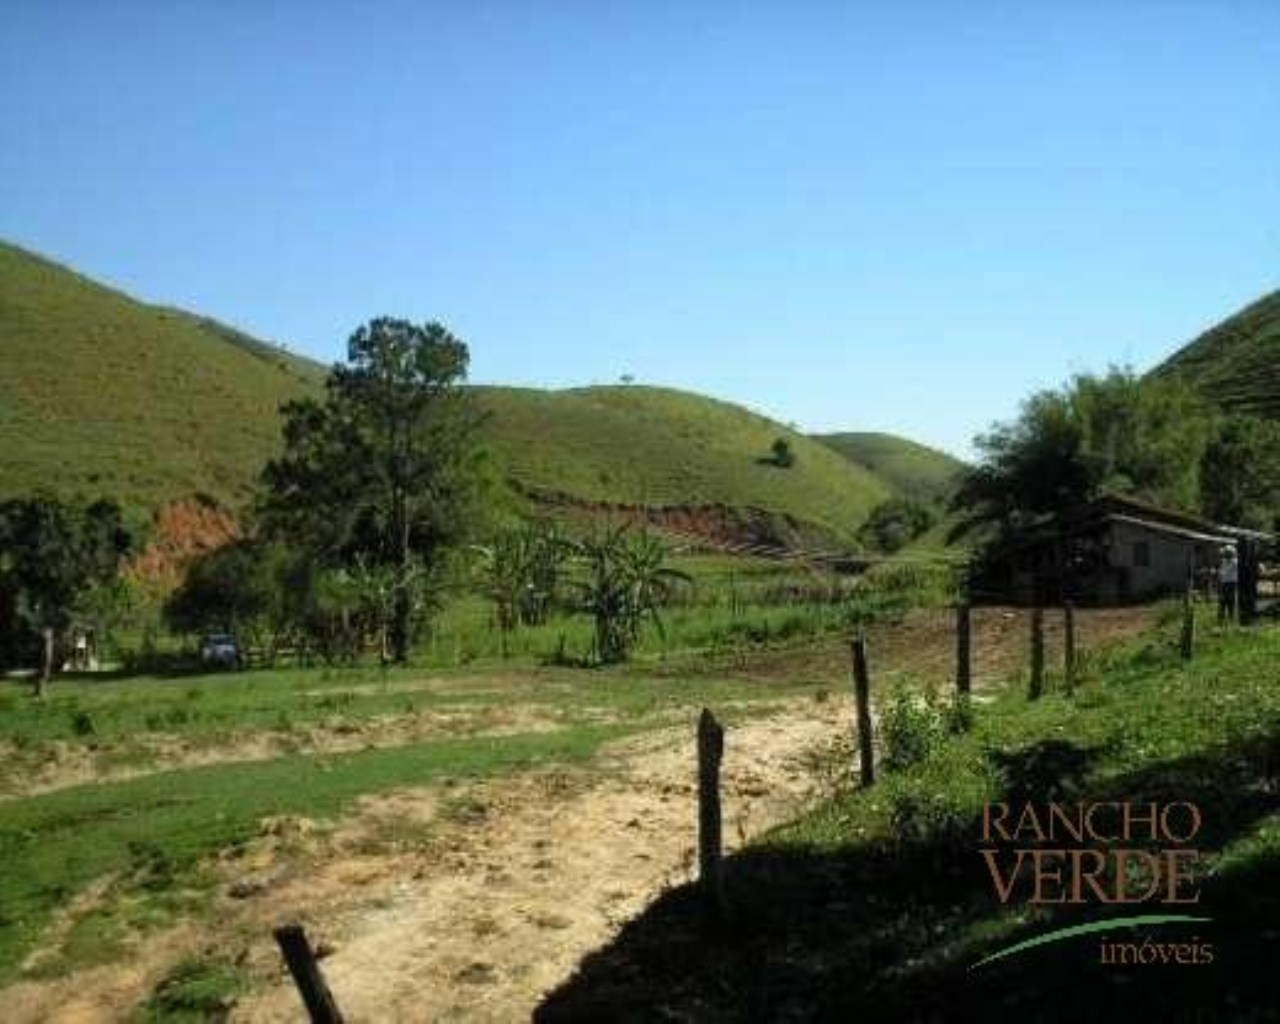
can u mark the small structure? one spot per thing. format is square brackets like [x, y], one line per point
[82, 651]
[1118, 549]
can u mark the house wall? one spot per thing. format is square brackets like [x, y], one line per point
[1167, 563]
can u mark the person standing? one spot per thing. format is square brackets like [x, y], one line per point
[1228, 585]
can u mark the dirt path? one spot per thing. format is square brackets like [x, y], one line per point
[480, 927]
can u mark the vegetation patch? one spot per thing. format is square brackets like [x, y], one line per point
[197, 990]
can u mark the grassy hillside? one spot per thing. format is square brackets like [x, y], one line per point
[657, 446]
[915, 470]
[101, 394]
[1237, 363]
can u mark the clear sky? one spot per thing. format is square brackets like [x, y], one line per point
[886, 216]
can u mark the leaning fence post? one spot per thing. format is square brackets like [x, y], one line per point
[1036, 687]
[964, 650]
[1069, 646]
[710, 753]
[1187, 643]
[306, 975]
[862, 704]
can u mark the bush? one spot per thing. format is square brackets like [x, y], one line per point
[195, 990]
[913, 819]
[911, 727]
[894, 524]
[82, 724]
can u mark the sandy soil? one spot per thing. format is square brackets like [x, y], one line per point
[481, 926]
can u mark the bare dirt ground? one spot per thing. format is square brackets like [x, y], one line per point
[468, 902]
[482, 924]
[499, 890]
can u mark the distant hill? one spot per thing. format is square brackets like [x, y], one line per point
[101, 394]
[655, 446]
[914, 470]
[1237, 363]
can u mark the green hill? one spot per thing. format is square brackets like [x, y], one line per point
[1237, 363]
[915, 470]
[101, 394]
[654, 446]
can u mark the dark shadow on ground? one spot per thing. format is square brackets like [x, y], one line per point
[870, 932]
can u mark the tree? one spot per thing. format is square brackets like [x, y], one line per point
[52, 556]
[625, 585]
[385, 467]
[240, 589]
[895, 523]
[1240, 473]
[782, 453]
[1142, 436]
[1028, 468]
[1114, 432]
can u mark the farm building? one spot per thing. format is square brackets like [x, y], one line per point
[1117, 549]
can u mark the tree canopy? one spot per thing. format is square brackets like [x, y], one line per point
[384, 469]
[52, 556]
[1154, 439]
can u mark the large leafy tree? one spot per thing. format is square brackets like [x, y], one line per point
[384, 469]
[53, 556]
[241, 588]
[1113, 432]
[1240, 473]
[1027, 469]
[1142, 436]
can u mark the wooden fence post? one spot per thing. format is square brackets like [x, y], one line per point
[964, 650]
[1187, 642]
[1036, 687]
[1069, 646]
[862, 703]
[710, 753]
[306, 975]
[1247, 588]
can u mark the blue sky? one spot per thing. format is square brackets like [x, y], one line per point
[850, 216]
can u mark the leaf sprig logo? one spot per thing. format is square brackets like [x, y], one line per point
[1110, 853]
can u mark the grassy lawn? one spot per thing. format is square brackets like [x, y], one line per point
[876, 905]
[108, 718]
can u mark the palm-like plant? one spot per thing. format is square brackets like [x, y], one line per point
[520, 574]
[625, 584]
